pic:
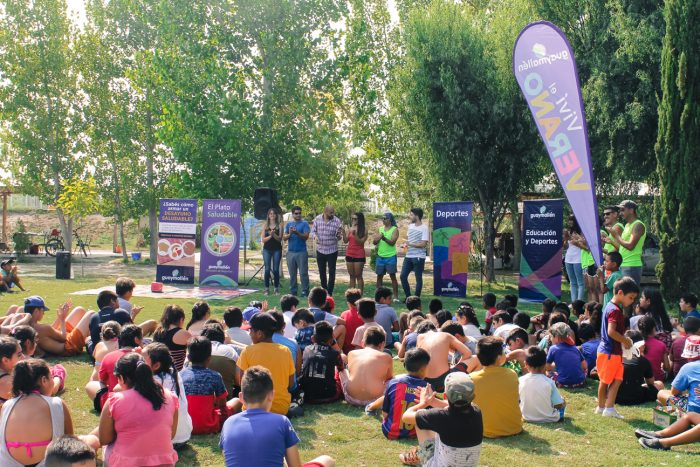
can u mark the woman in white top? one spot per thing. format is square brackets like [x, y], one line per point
[470, 323]
[157, 356]
[572, 261]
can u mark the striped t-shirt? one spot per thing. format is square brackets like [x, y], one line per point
[417, 233]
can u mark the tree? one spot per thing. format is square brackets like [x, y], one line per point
[37, 93]
[468, 108]
[678, 206]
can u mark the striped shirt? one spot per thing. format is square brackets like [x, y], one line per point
[417, 233]
[325, 233]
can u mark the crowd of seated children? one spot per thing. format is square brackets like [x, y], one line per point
[303, 320]
[223, 356]
[502, 324]
[655, 351]
[467, 318]
[318, 299]
[288, 306]
[434, 306]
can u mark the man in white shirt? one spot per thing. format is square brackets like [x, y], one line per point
[416, 251]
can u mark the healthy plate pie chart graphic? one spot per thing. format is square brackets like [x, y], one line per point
[220, 239]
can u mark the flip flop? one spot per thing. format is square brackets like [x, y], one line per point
[58, 371]
[410, 457]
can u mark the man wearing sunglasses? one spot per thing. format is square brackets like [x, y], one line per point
[296, 233]
[631, 241]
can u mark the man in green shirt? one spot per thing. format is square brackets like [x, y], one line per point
[630, 242]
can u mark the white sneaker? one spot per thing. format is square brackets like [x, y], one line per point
[611, 412]
[599, 410]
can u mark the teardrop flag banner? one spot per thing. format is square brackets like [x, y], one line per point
[544, 66]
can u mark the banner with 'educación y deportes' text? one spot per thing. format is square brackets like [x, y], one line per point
[544, 66]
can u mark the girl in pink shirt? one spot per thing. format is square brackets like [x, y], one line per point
[654, 350]
[139, 422]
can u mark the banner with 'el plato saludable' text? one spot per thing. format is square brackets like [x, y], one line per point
[221, 227]
[542, 244]
[452, 235]
[177, 231]
[544, 66]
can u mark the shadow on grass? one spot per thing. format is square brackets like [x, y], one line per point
[525, 441]
[567, 425]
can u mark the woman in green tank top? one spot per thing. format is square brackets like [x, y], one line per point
[386, 262]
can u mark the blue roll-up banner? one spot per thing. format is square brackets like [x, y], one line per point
[540, 262]
[452, 233]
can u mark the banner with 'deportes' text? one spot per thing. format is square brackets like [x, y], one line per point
[544, 66]
[177, 231]
[540, 261]
[221, 226]
[452, 235]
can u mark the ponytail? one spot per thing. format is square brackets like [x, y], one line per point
[159, 353]
[139, 377]
[27, 374]
[172, 314]
[199, 311]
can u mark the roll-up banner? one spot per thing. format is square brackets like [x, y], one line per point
[540, 263]
[452, 234]
[544, 66]
[177, 231]
[221, 226]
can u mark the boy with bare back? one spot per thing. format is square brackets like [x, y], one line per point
[439, 345]
[369, 368]
[66, 336]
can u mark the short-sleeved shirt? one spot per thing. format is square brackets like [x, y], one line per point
[589, 349]
[106, 314]
[278, 359]
[411, 341]
[654, 352]
[295, 243]
[320, 315]
[688, 379]
[496, 394]
[538, 396]
[458, 429]
[107, 365]
[352, 322]
[676, 351]
[125, 304]
[291, 344]
[637, 370]
[567, 359]
[386, 317]
[289, 329]
[401, 393]
[360, 333]
[303, 337]
[239, 335]
[326, 233]
[203, 388]
[610, 284]
[417, 233]
[612, 313]
[257, 434]
[318, 372]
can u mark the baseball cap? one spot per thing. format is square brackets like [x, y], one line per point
[627, 204]
[459, 388]
[35, 301]
[249, 312]
[6, 262]
[691, 350]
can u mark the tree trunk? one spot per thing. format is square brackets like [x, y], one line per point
[152, 211]
[65, 224]
[119, 217]
[517, 240]
[489, 235]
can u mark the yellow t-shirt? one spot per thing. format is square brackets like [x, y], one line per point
[278, 359]
[496, 394]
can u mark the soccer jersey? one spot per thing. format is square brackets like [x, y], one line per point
[611, 314]
[303, 337]
[203, 388]
[401, 393]
[318, 372]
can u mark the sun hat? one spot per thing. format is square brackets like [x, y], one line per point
[691, 350]
[459, 388]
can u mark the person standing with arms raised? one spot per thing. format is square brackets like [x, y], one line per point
[296, 233]
[386, 252]
[416, 252]
[327, 230]
[630, 242]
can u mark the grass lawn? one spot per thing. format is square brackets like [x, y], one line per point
[354, 439]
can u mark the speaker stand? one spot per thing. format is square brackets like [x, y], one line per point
[253, 276]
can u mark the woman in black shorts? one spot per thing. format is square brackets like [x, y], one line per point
[355, 256]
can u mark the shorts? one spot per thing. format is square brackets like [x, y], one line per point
[609, 368]
[385, 265]
[352, 259]
[100, 398]
[438, 383]
[75, 341]
[343, 376]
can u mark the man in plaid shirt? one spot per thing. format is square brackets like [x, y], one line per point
[327, 230]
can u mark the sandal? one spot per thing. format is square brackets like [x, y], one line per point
[410, 457]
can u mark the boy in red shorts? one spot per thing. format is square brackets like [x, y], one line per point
[612, 339]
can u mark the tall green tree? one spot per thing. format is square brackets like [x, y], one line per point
[678, 206]
[37, 96]
[468, 109]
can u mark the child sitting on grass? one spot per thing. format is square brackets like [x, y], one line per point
[589, 347]
[540, 401]
[638, 385]
[410, 339]
[496, 390]
[449, 432]
[517, 342]
[259, 436]
[367, 309]
[320, 364]
[205, 390]
[564, 359]
[467, 318]
[303, 320]
[402, 392]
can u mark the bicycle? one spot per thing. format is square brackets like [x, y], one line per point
[53, 242]
[81, 244]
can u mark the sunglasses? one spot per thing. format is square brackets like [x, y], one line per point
[609, 213]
